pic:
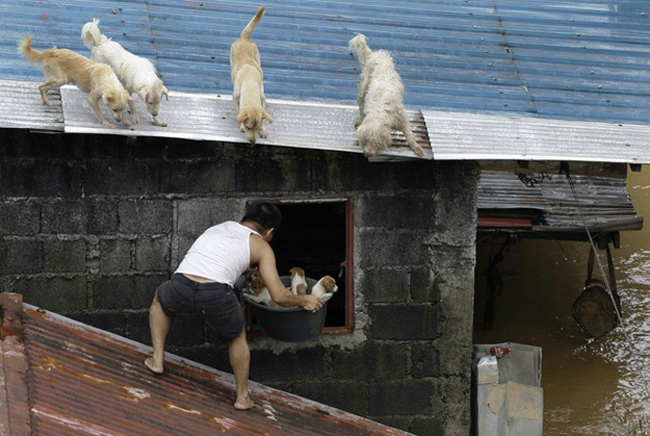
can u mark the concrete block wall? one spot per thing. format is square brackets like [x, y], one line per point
[90, 225]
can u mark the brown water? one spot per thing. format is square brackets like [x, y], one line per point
[590, 387]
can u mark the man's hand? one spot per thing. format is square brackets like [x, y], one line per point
[312, 303]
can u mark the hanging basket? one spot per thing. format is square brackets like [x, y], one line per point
[593, 309]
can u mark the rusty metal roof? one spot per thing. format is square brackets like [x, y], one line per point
[61, 377]
[548, 203]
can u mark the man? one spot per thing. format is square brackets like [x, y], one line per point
[203, 283]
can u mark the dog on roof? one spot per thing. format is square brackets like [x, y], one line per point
[247, 80]
[136, 73]
[98, 81]
[380, 99]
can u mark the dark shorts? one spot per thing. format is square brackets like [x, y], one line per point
[215, 301]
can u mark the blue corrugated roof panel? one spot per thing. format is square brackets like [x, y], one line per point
[583, 60]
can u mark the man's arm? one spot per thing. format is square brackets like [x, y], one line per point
[262, 255]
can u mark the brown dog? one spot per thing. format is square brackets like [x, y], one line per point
[61, 66]
[247, 77]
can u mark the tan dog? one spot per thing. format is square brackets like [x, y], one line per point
[298, 281]
[61, 66]
[247, 77]
[381, 100]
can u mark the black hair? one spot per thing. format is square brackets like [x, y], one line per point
[264, 213]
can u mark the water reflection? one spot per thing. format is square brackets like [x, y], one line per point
[590, 387]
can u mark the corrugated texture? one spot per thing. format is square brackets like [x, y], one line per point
[21, 107]
[565, 59]
[83, 381]
[581, 66]
[212, 117]
[455, 136]
[549, 201]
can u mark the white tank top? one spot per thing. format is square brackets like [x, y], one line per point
[221, 253]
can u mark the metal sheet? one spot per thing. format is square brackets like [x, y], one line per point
[581, 60]
[456, 136]
[21, 107]
[603, 201]
[82, 381]
[208, 117]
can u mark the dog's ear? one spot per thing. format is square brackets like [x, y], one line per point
[266, 116]
[165, 92]
[110, 97]
[243, 116]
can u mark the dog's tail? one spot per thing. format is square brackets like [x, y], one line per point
[30, 55]
[91, 35]
[246, 33]
[359, 44]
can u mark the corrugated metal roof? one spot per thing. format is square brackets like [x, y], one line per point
[495, 67]
[61, 377]
[548, 201]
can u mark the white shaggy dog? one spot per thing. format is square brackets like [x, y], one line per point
[381, 100]
[137, 74]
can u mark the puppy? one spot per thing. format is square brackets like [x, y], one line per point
[247, 77]
[61, 66]
[259, 293]
[325, 287]
[137, 74]
[381, 100]
[298, 282]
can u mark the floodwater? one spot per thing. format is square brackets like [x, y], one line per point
[591, 387]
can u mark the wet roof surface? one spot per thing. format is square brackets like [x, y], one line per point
[61, 377]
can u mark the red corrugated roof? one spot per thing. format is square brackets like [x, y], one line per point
[61, 377]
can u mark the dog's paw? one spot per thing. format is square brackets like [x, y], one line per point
[161, 124]
[418, 150]
[47, 103]
[108, 125]
[263, 133]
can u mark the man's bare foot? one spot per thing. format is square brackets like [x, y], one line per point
[153, 366]
[244, 403]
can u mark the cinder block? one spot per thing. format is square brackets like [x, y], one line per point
[350, 396]
[121, 177]
[304, 364]
[384, 249]
[197, 215]
[65, 255]
[152, 253]
[405, 211]
[19, 218]
[425, 286]
[115, 255]
[403, 322]
[433, 426]
[402, 397]
[385, 285]
[114, 322]
[387, 361]
[199, 176]
[57, 294]
[425, 360]
[125, 292]
[40, 178]
[149, 217]
[21, 256]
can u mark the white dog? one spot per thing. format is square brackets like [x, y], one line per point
[247, 80]
[136, 73]
[381, 100]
